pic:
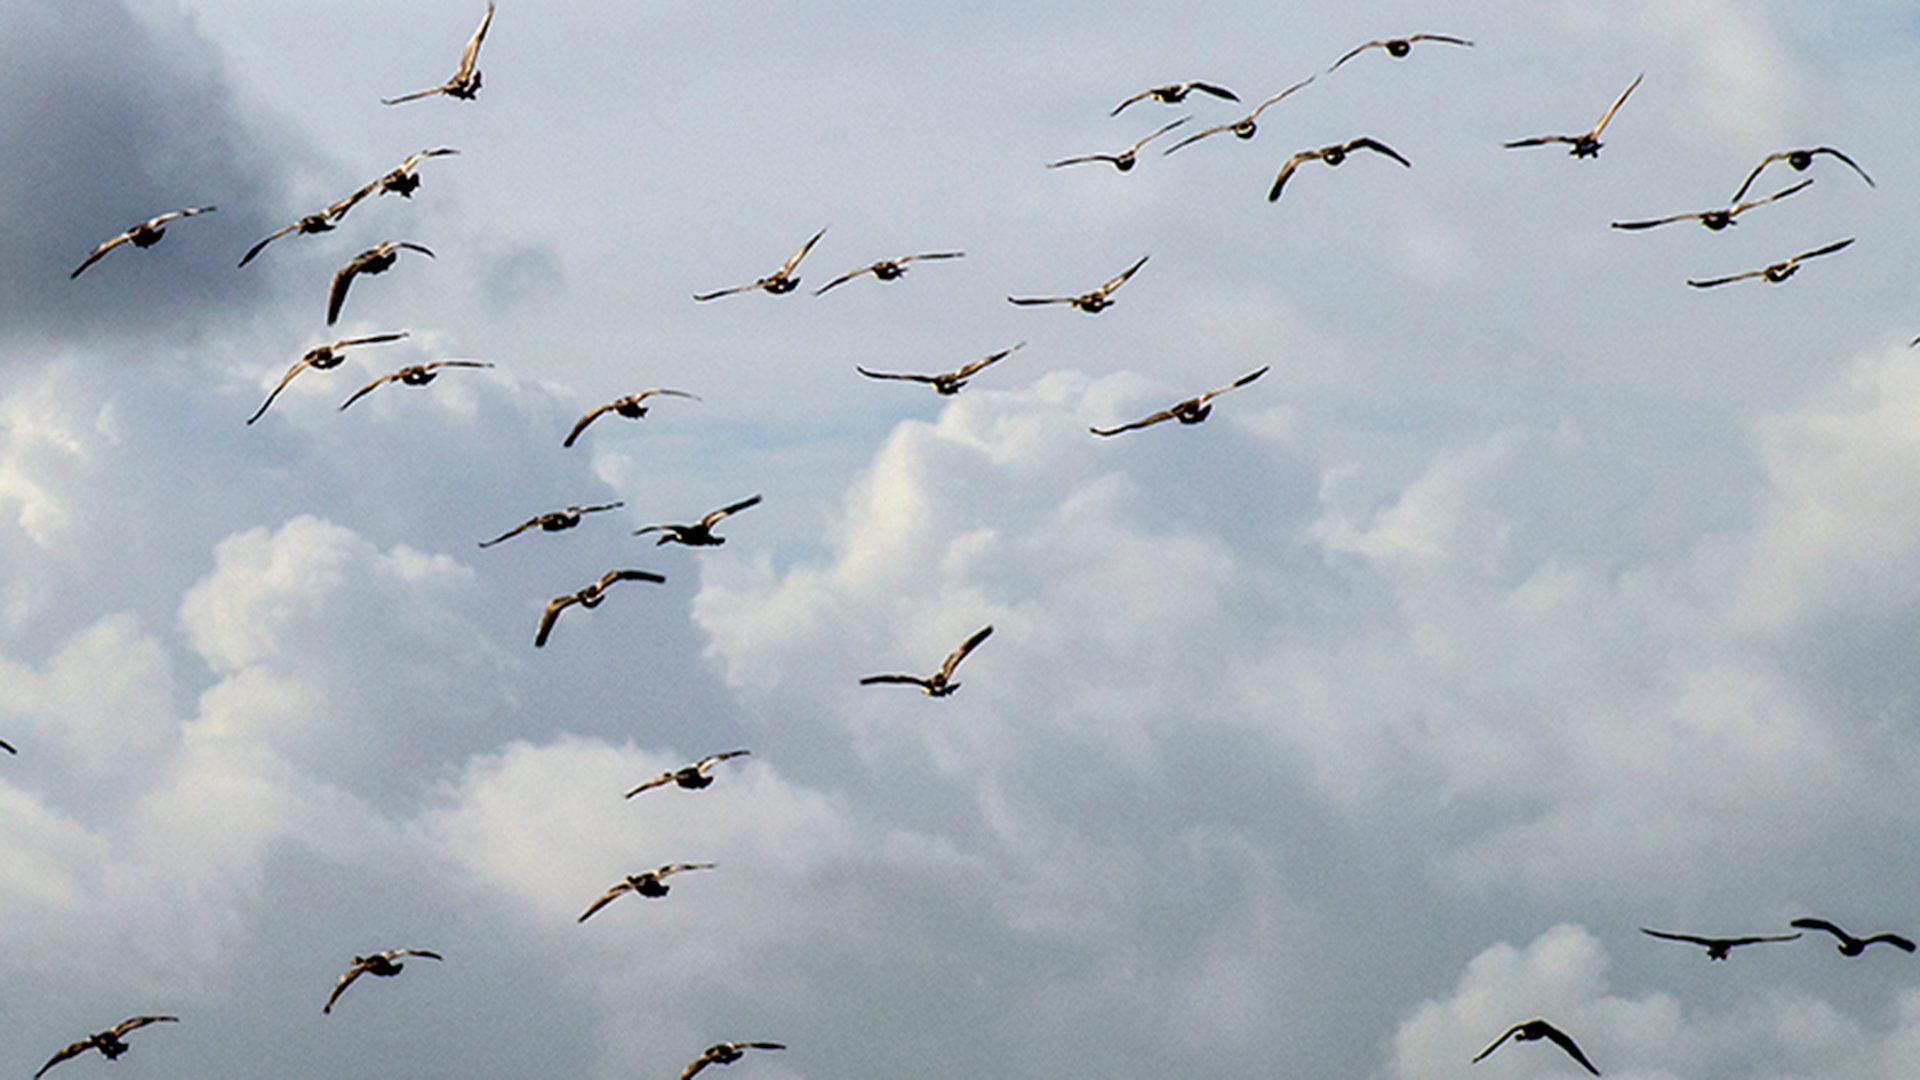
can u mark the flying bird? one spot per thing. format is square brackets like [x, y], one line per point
[1191, 411]
[554, 521]
[1718, 947]
[317, 222]
[1175, 93]
[404, 180]
[413, 375]
[1125, 158]
[1333, 156]
[384, 964]
[1850, 945]
[1775, 272]
[589, 597]
[108, 1042]
[947, 382]
[375, 260]
[1245, 127]
[780, 281]
[323, 358]
[1587, 143]
[1799, 161]
[887, 269]
[693, 777]
[1715, 220]
[700, 533]
[1398, 48]
[725, 1053]
[144, 235]
[650, 884]
[1531, 1030]
[1093, 303]
[630, 407]
[940, 683]
[466, 78]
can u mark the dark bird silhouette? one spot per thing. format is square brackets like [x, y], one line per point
[631, 407]
[780, 281]
[1715, 219]
[413, 375]
[947, 382]
[1093, 303]
[555, 521]
[589, 597]
[1850, 945]
[1191, 411]
[700, 533]
[1398, 48]
[1799, 161]
[465, 82]
[1531, 1030]
[1246, 126]
[375, 260]
[1587, 143]
[725, 1054]
[1775, 272]
[1718, 947]
[323, 358]
[108, 1042]
[404, 180]
[1124, 159]
[940, 683]
[692, 777]
[7, 746]
[144, 235]
[384, 964]
[651, 884]
[1175, 93]
[320, 221]
[887, 269]
[1333, 156]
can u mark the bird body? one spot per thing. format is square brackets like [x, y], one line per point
[1124, 160]
[553, 521]
[110, 1042]
[144, 235]
[1850, 945]
[651, 884]
[1718, 948]
[776, 283]
[323, 358]
[1531, 1030]
[375, 260]
[700, 533]
[1586, 143]
[383, 964]
[588, 597]
[946, 383]
[1333, 156]
[940, 683]
[404, 180]
[465, 82]
[725, 1054]
[413, 375]
[693, 777]
[1191, 411]
[1093, 303]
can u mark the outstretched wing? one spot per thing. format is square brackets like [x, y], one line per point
[1141, 96]
[471, 54]
[663, 778]
[872, 680]
[953, 658]
[903, 376]
[338, 210]
[1651, 222]
[973, 368]
[7, 746]
[1286, 173]
[511, 533]
[1083, 159]
[1495, 1045]
[726, 292]
[1607, 117]
[264, 241]
[1538, 140]
[1204, 132]
[1777, 155]
[1356, 51]
[1824, 250]
[1120, 279]
[416, 95]
[844, 278]
[1565, 1042]
[591, 415]
[59, 1056]
[1708, 283]
[1159, 131]
[713, 517]
[1145, 421]
[369, 388]
[793, 260]
[711, 760]
[342, 281]
[674, 868]
[1378, 147]
[605, 898]
[340, 987]
[607, 579]
[551, 615]
[1691, 939]
[1235, 384]
[94, 256]
[1027, 301]
[298, 366]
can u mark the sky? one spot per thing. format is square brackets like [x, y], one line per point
[1530, 598]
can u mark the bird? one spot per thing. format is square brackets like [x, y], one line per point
[1774, 272]
[108, 1042]
[588, 597]
[1191, 411]
[1243, 128]
[1716, 220]
[384, 964]
[1587, 143]
[630, 407]
[1850, 945]
[1125, 158]
[1093, 303]
[1717, 948]
[692, 777]
[725, 1053]
[413, 375]
[144, 235]
[1397, 48]
[780, 281]
[1530, 1030]
[1333, 156]
[1175, 93]
[700, 533]
[946, 383]
[318, 222]
[651, 884]
[940, 683]
[323, 358]
[466, 78]
[887, 269]
[403, 180]
[1799, 161]
[375, 260]
[554, 521]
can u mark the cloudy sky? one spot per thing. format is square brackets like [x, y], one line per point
[1530, 598]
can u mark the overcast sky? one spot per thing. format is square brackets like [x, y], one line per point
[1530, 598]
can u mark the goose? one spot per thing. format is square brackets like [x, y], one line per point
[375, 260]
[1175, 93]
[554, 521]
[404, 180]
[651, 884]
[1799, 161]
[887, 269]
[317, 222]
[323, 358]
[693, 777]
[1191, 411]
[700, 533]
[1774, 272]
[144, 235]
[1718, 948]
[413, 375]
[1333, 156]
[1124, 159]
[780, 281]
[588, 597]
[384, 964]
[1531, 1030]
[1093, 303]
[466, 79]
[947, 383]
[1850, 945]
[1715, 220]
[1245, 127]
[1398, 48]
[725, 1053]
[940, 683]
[1587, 143]
[108, 1042]
[630, 407]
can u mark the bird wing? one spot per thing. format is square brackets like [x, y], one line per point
[413, 159]
[713, 517]
[1286, 172]
[416, 95]
[1778, 155]
[1030, 300]
[1449, 39]
[161, 219]
[435, 365]
[694, 1066]
[953, 658]
[1215, 89]
[1145, 421]
[340, 987]
[471, 54]
[903, 376]
[1808, 923]
[605, 898]
[793, 260]
[931, 255]
[607, 579]
[1565, 1042]
[663, 778]
[727, 292]
[1708, 283]
[1142, 95]
[369, 388]
[342, 281]
[133, 1023]
[1825, 250]
[1366, 143]
[655, 390]
[1756, 939]
[1850, 162]
[1649, 223]
[1204, 132]
[59, 1056]
[763, 1045]
[428, 953]
[844, 278]
[336, 211]
[1356, 51]
[268, 239]
[548, 617]
[1538, 140]
[598, 507]
[7, 746]
[1120, 279]
[1495, 1045]
[95, 255]
[1159, 131]
[1234, 385]
[370, 339]
[1894, 940]
[674, 868]
[871, 680]
[1691, 939]
[711, 760]
[1083, 159]
[1741, 207]
[992, 358]
[1607, 116]
[299, 366]
[591, 415]
[511, 533]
